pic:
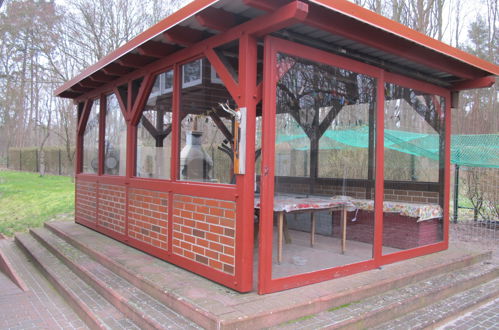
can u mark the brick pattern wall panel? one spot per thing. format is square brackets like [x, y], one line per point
[411, 196]
[86, 201]
[148, 217]
[112, 207]
[204, 231]
[399, 231]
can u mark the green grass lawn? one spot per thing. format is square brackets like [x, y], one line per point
[28, 200]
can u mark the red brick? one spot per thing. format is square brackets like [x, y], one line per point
[229, 250]
[227, 259]
[216, 211]
[211, 254]
[230, 214]
[212, 237]
[227, 223]
[202, 226]
[213, 219]
[217, 229]
[212, 202]
[198, 249]
[226, 240]
[215, 264]
[216, 247]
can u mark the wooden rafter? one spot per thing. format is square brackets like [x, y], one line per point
[102, 77]
[116, 69]
[183, 35]
[216, 19]
[135, 61]
[156, 49]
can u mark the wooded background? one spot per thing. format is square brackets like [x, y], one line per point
[44, 43]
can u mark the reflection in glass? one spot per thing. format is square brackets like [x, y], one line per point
[324, 137]
[91, 140]
[115, 138]
[206, 129]
[414, 149]
[154, 130]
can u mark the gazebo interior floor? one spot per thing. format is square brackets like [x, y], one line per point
[299, 257]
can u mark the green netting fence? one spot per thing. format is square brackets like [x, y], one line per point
[477, 150]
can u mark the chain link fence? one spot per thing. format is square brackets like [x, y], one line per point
[475, 206]
[55, 160]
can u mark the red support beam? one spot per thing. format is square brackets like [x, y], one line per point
[135, 61]
[116, 69]
[248, 56]
[84, 116]
[285, 16]
[183, 36]
[483, 82]
[121, 104]
[265, 5]
[156, 49]
[224, 74]
[216, 19]
[141, 98]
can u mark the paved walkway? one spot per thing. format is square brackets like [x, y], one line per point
[42, 308]
[484, 317]
[39, 308]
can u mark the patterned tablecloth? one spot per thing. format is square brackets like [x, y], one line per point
[420, 211]
[291, 203]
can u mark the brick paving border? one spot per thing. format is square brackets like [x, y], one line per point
[41, 307]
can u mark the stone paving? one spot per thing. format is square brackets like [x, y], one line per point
[41, 307]
[484, 317]
[435, 313]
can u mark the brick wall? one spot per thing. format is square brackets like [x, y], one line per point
[204, 231]
[395, 195]
[112, 207]
[86, 200]
[399, 231]
[411, 196]
[148, 217]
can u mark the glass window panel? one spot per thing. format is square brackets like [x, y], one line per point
[115, 140]
[91, 140]
[414, 151]
[154, 131]
[206, 128]
[324, 137]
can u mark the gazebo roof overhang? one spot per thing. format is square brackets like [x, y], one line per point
[338, 26]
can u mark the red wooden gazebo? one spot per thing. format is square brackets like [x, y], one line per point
[271, 144]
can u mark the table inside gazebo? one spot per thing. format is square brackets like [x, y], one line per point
[293, 204]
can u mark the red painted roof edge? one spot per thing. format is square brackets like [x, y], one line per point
[342, 6]
[170, 21]
[369, 17]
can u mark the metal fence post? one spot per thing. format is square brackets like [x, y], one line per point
[37, 161]
[60, 163]
[456, 192]
[20, 160]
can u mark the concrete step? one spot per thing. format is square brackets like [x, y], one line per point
[213, 306]
[40, 306]
[159, 286]
[397, 303]
[433, 315]
[144, 310]
[92, 308]
[484, 316]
